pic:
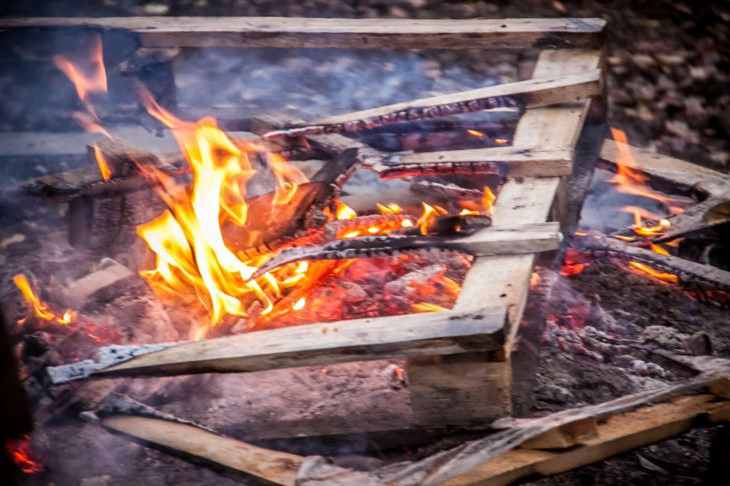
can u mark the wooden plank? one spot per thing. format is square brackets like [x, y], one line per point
[273, 466]
[505, 279]
[461, 459]
[314, 344]
[520, 161]
[617, 434]
[661, 166]
[284, 32]
[543, 91]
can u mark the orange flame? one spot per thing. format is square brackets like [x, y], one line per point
[93, 80]
[37, 307]
[476, 133]
[655, 274]
[191, 255]
[643, 230]
[20, 452]
[104, 169]
[488, 201]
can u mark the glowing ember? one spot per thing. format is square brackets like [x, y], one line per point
[572, 265]
[655, 274]
[534, 280]
[38, 308]
[20, 452]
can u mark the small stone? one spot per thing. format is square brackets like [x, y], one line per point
[96, 480]
[156, 9]
[698, 344]
[643, 61]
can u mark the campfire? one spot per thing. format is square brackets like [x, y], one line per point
[428, 237]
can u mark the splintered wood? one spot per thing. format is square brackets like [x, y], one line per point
[522, 94]
[524, 447]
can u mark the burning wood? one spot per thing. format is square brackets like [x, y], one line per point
[687, 273]
[312, 344]
[494, 241]
[713, 210]
[522, 95]
[516, 162]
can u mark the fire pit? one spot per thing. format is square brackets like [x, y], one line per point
[276, 248]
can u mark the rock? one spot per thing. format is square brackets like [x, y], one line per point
[666, 337]
[698, 344]
[643, 61]
[681, 129]
[96, 480]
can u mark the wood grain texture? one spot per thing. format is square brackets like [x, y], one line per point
[283, 32]
[520, 162]
[273, 466]
[335, 342]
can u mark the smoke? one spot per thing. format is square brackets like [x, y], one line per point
[314, 82]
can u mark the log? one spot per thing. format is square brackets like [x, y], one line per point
[525, 94]
[688, 273]
[307, 345]
[501, 240]
[284, 32]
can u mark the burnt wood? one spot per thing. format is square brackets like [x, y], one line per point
[284, 32]
[521, 94]
[489, 241]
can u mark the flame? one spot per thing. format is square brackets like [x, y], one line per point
[390, 208]
[476, 133]
[427, 307]
[299, 304]
[652, 272]
[19, 451]
[104, 169]
[343, 211]
[488, 199]
[630, 181]
[192, 258]
[89, 80]
[641, 229]
[658, 249]
[37, 307]
[534, 280]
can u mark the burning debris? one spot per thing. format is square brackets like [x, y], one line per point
[254, 233]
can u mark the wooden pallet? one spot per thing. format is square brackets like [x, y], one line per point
[460, 373]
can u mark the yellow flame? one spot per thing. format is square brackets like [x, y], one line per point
[427, 307]
[104, 169]
[37, 307]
